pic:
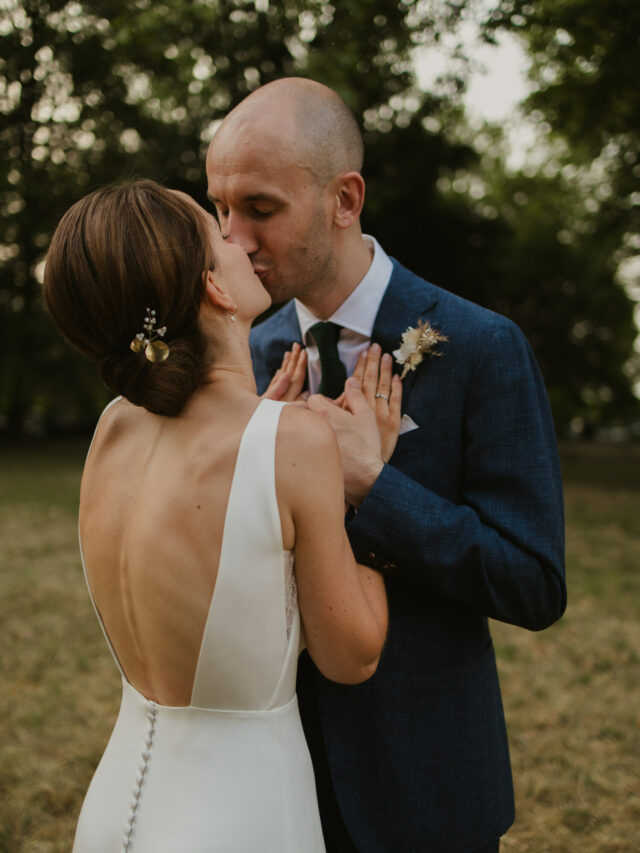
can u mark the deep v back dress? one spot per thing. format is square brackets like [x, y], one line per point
[231, 772]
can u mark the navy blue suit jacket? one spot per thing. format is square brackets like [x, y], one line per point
[466, 521]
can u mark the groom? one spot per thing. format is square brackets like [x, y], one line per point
[466, 518]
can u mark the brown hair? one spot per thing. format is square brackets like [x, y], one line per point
[115, 253]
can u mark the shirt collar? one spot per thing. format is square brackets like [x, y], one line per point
[358, 311]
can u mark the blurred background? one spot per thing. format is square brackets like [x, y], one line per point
[536, 215]
[503, 163]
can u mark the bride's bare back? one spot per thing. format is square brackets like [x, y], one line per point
[152, 509]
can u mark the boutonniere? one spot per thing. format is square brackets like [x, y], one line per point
[416, 343]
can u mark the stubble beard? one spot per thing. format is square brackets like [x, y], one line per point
[311, 270]
[304, 280]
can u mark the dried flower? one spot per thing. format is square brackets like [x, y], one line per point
[416, 343]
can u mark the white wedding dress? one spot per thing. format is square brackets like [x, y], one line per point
[231, 772]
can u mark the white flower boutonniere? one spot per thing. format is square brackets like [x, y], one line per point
[416, 343]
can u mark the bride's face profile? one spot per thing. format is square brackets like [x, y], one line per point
[233, 270]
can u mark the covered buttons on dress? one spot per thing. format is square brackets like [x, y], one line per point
[145, 755]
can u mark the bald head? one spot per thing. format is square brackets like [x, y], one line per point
[283, 173]
[308, 122]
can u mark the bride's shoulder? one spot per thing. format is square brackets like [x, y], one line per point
[306, 437]
[120, 425]
[117, 419]
[299, 424]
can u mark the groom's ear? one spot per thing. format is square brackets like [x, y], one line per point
[214, 294]
[348, 196]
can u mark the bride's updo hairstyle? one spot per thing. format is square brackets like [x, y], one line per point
[116, 253]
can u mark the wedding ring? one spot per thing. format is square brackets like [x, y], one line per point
[384, 397]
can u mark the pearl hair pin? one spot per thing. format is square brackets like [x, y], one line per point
[155, 349]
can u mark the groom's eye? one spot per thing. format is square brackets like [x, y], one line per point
[261, 212]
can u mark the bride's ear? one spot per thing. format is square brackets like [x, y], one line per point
[215, 295]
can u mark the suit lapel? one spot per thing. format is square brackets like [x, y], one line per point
[406, 300]
[284, 331]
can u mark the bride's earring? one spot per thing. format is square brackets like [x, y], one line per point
[233, 313]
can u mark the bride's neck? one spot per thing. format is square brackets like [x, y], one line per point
[231, 368]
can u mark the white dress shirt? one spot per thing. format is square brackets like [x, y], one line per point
[356, 315]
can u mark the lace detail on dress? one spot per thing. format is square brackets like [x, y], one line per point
[291, 591]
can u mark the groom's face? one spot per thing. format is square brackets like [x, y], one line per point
[276, 210]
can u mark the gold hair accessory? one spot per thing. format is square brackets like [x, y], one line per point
[154, 349]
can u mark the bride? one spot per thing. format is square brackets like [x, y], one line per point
[197, 500]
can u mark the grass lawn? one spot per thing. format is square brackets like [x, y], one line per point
[571, 693]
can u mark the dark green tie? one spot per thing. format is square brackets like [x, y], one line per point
[334, 374]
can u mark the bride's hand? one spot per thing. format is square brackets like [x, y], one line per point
[288, 381]
[383, 393]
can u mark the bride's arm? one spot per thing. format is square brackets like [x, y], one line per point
[343, 604]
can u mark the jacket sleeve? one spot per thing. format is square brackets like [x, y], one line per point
[500, 547]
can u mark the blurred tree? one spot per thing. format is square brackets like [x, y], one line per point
[558, 284]
[93, 91]
[585, 66]
[585, 62]
[67, 124]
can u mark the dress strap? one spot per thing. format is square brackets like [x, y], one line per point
[245, 638]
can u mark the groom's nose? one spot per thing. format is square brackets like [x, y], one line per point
[241, 232]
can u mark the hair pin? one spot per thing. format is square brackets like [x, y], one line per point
[155, 349]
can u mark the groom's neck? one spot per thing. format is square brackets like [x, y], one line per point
[349, 268]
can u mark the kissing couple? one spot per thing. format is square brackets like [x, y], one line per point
[253, 491]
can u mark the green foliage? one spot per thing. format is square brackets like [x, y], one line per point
[584, 66]
[560, 289]
[93, 92]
